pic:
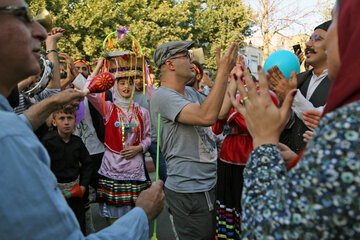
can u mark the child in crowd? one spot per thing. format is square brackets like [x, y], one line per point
[127, 137]
[70, 160]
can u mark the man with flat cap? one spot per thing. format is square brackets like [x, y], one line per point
[186, 139]
[313, 88]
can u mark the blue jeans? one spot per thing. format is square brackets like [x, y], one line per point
[162, 163]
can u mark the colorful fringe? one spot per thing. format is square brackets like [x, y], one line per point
[120, 192]
[227, 223]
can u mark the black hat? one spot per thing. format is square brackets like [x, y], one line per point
[324, 26]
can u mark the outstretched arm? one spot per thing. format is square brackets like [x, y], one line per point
[235, 72]
[38, 113]
[51, 45]
[207, 113]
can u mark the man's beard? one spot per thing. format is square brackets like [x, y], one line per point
[63, 75]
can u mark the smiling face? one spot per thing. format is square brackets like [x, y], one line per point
[125, 86]
[315, 48]
[20, 42]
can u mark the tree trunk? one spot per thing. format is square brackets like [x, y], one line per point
[266, 38]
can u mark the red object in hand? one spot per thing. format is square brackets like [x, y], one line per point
[101, 83]
[74, 192]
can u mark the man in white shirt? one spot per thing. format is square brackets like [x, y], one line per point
[313, 87]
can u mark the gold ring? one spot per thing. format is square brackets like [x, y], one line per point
[243, 99]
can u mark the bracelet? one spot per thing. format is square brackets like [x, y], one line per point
[51, 50]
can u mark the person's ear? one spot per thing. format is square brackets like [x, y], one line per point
[170, 64]
[53, 122]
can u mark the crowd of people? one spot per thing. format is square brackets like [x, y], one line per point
[238, 157]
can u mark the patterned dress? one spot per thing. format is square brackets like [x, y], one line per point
[121, 180]
[320, 197]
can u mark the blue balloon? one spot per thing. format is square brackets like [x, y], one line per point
[286, 61]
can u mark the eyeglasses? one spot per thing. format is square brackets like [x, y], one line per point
[19, 11]
[315, 38]
[186, 55]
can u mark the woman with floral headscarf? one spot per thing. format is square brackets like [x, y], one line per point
[319, 197]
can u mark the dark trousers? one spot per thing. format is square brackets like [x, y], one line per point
[96, 163]
[77, 205]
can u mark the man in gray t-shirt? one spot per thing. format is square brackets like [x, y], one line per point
[186, 139]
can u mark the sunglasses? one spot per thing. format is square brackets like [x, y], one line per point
[19, 11]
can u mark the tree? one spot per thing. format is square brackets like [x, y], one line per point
[210, 23]
[88, 22]
[324, 8]
[273, 16]
[218, 23]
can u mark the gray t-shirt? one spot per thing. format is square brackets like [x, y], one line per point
[190, 151]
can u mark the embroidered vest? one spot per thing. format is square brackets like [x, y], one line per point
[293, 137]
[113, 130]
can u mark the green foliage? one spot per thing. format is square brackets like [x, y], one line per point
[217, 23]
[209, 23]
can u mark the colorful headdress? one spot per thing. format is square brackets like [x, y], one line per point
[126, 64]
[135, 63]
[83, 61]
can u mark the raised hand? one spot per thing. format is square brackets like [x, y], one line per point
[239, 67]
[226, 62]
[279, 84]
[55, 34]
[300, 56]
[264, 120]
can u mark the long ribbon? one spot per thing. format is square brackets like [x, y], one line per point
[157, 168]
[129, 120]
[143, 70]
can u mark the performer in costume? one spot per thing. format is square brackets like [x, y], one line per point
[235, 151]
[127, 137]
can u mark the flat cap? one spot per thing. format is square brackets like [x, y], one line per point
[169, 49]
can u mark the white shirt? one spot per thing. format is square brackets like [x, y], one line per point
[302, 103]
[85, 129]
